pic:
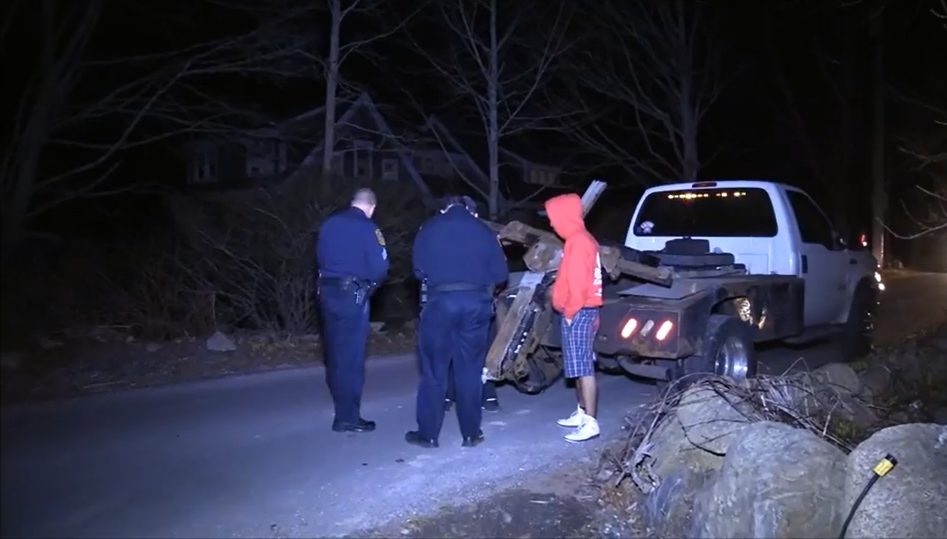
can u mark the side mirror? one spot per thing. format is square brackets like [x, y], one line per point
[840, 242]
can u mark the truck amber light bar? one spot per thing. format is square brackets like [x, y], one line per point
[629, 328]
[664, 330]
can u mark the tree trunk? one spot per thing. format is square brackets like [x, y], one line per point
[690, 157]
[493, 127]
[332, 86]
[879, 198]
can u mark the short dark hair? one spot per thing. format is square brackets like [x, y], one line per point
[365, 196]
[458, 200]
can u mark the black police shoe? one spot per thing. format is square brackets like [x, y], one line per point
[361, 425]
[413, 437]
[491, 405]
[473, 441]
[448, 404]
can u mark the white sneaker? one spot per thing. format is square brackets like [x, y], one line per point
[586, 431]
[574, 420]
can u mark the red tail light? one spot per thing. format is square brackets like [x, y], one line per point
[629, 328]
[664, 330]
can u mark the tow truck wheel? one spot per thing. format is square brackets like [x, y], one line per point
[859, 328]
[727, 350]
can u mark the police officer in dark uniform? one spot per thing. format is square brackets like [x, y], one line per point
[352, 260]
[460, 260]
[490, 401]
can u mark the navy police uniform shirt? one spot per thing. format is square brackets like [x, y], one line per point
[455, 247]
[351, 245]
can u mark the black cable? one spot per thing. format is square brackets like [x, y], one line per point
[881, 469]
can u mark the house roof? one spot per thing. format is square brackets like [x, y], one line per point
[363, 103]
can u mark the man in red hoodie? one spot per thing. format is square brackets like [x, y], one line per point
[577, 294]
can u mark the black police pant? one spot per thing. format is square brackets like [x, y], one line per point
[452, 332]
[345, 332]
[489, 388]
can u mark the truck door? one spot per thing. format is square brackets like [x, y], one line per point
[823, 263]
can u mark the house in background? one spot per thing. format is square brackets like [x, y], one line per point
[365, 148]
[432, 161]
[524, 183]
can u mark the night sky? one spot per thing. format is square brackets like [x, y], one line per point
[749, 128]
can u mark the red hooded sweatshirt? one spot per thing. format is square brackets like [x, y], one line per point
[578, 283]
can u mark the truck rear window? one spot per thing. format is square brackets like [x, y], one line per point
[719, 212]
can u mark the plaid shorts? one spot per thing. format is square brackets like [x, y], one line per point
[578, 355]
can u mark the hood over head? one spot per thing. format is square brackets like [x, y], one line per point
[565, 214]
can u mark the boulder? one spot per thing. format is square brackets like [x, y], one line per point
[688, 447]
[839, 377]
[834, 390]
[875, 379]
[48, 344]
[776, 481]
[11, 360]
[700, 430]
[218, 342]
[910, 501]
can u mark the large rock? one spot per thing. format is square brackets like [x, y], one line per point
[833, 391]
[911, 500]
[218, 342]
[875, 379]
[689, 446]
[839, 377]
[700, 430]
[11, 360]
[776, 481]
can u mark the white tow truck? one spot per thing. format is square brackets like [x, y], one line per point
[707, 270]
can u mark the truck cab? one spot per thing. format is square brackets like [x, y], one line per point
[770, 228]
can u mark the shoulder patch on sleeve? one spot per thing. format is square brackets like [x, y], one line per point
[379, 237]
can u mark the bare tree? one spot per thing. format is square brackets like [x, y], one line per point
[324, 36]
[256, 246]
[338, 53]
[647, 86]
[92, 110]
[928, 152]
[827, 136]
[497, 58]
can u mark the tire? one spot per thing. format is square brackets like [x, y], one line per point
[608, 365]
[727, 350]
[859, 329]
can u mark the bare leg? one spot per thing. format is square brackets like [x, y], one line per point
[587, 391]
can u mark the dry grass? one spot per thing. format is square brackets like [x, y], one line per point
[786, 399]
[917, 386]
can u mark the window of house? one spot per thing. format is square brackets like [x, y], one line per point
[427, 165]
[363, 158]
[542, 176]
[338, 163]
[814, 226]
[389, 169]
[266, 157]
[203, 165]
[447, 167]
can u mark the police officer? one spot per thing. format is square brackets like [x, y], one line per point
[352, 260]
[460, 260]
[490, 401]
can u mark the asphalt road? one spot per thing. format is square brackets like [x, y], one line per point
[253, 456]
